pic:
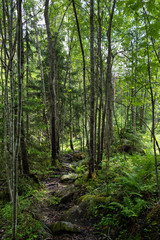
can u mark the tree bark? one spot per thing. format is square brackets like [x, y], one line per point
[43, 83]
[19, 115]
[100, 62]
[52, 84]
[109, 92]
[84, 72]
[153, 109]
[92, 94]
[6, 102]
[27, 78]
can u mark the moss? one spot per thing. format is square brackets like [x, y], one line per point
[65, 227]
[152, 223]
[79, 156]
[154, 214]
[92, 200]
[69, 177]
[73, 215]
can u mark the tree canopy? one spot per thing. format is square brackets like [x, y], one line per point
[75, 76]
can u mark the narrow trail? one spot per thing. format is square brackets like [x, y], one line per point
[69, 194]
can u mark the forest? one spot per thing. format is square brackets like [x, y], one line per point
[79, 119]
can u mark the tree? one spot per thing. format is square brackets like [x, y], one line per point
[19, 118]
[109, 94]
[52, 83]
[92, 94]
[84, 70]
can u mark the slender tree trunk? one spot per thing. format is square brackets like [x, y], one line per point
[23, 146]
[24, 152]
[43, 83]
[52, 84]
[153, 111]
[133, 92]
[99, 159]
[6, 104]
[84, 72]
[109, 92]
[92, 94]
[19, 115]
[142, 112]
[102, 133]
[27, 78]
[70, 110]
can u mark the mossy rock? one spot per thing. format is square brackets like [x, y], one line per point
[73, 215]
[69, 177]
[79, 156]
[90, 201]
[62, 226]
[67, 194]
[152, 223]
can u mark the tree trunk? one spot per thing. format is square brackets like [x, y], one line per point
[27, 78]
[84, 72]
[43, 83]
[109, 91]
[52, 85]
[24, 153]
[92, 94]
[6, 103]
[19, 115]
[99, 159]
[153, 110]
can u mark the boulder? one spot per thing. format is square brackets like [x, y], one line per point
[78, 156]
[67, 194]
[73, 215]
[91, 200]
[62, 226]
[69, 177]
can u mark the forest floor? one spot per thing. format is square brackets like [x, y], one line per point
[58, 184]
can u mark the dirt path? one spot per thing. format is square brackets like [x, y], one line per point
[54, 212]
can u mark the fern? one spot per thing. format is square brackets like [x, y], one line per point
[129, 208]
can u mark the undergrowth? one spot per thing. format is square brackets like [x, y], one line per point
[31, 197]
[128, 183]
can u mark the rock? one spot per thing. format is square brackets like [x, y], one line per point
[88, 202]
[73, 215]
[92, 199]
[69, 177]
[78, 156]
[67, 194]
[67, 198]
[62, 226]
[77, 212]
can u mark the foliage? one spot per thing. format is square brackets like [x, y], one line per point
[128, 184]
[29, 227]
[128, 177]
